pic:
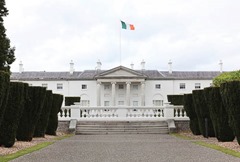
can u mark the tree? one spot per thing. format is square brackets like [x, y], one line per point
[226, 77]
[6, 51]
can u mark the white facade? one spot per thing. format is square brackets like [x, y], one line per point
[119, 86]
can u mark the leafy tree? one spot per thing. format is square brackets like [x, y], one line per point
[226, 77]
[6, 51]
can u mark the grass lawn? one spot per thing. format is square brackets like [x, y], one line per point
[209, 145]
[6, 158]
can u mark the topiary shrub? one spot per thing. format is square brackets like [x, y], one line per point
[53, 118]
[13, 112]
[42, 123]
[190, 110]
[202, 111]
[70, 100]
[4, 88]
[175, 99]
[230, 93]
[31, 114]
[218, 114]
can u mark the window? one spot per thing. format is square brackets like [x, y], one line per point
[135, 87]
[158, 86]
[197, 85]
[182, 86]
[157, 102]
[120, 86]
[106, 103]
[106, 86]
[84, 102]
[120, 102]
[135, 103]
[84, 86]
[59, 86]
[45, 85]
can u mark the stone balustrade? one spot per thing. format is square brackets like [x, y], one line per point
[123, 112]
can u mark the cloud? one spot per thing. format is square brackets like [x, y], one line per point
[194, 34]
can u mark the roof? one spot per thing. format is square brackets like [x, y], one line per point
[93, 74]
[191, 75]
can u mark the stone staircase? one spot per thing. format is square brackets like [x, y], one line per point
[121, 127]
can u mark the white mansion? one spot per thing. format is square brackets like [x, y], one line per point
[119, 86]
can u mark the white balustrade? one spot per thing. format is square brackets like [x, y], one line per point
[179, 112]
[122, 112]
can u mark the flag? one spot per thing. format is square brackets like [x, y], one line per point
[127, 26]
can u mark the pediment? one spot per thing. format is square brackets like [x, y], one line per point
[120, 72]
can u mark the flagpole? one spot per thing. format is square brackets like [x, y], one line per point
[120, 44]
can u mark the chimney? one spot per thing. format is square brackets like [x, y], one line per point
[71, 67]
[143, 64]
[221, 66]
[132, 66]
[20, 67]
[170, 66]
[99, 64]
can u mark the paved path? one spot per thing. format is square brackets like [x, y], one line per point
[126, 148]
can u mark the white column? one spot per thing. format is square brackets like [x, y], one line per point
[128, 93]
[142, 93]
[113, 93]
[98, 93]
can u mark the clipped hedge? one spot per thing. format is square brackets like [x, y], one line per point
[218, 114]
[202, 111]
[190, 110]
[42, 123]
[175, 99]
[230, 93]
[70, 100]
[13, 112]
[4, 88]
[53, 118]
[226, 77]
[31, 114]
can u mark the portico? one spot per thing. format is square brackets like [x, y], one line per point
[124, 92]
[120, 87]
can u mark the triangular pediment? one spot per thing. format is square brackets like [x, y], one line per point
[120, 72]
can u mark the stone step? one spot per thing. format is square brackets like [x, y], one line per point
[123, 132]
[121, 123]
[122, 127]
[108, 133]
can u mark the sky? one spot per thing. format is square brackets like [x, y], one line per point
[194, 34]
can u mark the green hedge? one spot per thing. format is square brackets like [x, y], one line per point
[12, 115]
[53, 118]
[42, 123]
[175, 99]
[190, 110]
[70, 100]
[202, 111]
[226, 77]
[230, 93]
[31, 114]
[4, 88]
[218, 114]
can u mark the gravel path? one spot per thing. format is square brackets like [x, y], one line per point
[126, 148]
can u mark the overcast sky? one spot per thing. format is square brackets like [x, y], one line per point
[194, 34]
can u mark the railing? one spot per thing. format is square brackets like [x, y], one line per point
[122, 112]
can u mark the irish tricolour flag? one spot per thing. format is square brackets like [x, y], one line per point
[127, 26]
